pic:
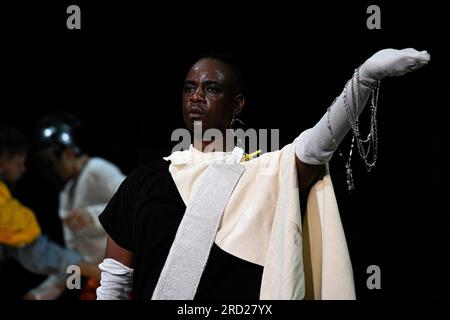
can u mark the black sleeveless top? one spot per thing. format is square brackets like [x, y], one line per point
[143, 217]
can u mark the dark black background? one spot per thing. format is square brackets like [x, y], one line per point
[122, 73]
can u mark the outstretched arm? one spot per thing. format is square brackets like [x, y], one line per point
[316, 146]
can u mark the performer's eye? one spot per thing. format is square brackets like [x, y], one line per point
[213, 89]
[188, 89]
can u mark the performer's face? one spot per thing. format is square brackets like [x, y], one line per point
[209, 95]
[12, 167]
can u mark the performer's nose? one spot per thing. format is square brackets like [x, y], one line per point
[198, 95]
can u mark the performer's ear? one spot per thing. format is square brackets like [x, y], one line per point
[239, 102]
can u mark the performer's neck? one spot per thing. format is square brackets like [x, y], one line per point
[213, 145]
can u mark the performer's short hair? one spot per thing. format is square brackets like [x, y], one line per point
[234, 64]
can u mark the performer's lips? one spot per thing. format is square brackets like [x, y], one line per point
[196, 112]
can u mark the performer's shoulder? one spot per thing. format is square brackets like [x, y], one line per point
[150, 172]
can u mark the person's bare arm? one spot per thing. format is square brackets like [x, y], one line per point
[307, 173]
[116, 252]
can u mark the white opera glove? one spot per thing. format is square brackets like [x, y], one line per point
[316, 145]
[392, 62]
[116, 281]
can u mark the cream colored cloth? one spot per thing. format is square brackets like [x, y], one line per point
[262, 224]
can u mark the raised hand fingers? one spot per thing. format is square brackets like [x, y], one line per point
[423, 57]
[418, 59]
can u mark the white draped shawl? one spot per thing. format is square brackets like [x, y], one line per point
[262, 224]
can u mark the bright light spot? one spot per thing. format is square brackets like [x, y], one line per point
[65, 137]
[48, 132]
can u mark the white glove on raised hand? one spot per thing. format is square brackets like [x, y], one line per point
[392, 62]
[315, 145]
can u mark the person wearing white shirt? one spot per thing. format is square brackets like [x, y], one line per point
[89, 183]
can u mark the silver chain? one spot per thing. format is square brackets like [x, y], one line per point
[372, 138]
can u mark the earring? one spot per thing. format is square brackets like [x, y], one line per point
[239, 143]
[234, 120]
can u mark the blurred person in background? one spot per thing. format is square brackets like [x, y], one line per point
[88, 184]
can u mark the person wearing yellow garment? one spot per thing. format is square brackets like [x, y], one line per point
[20, 234]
